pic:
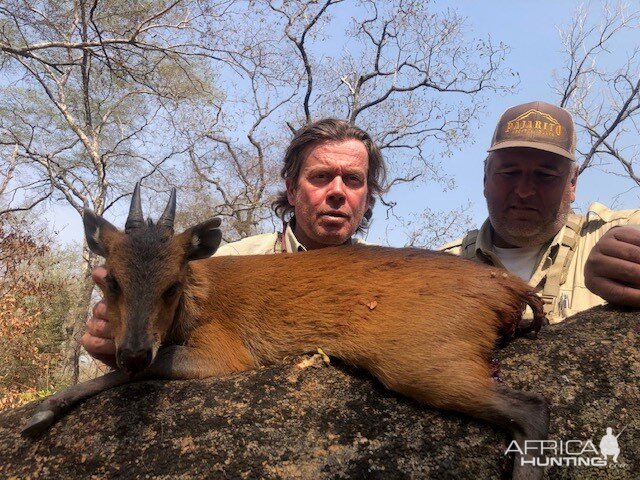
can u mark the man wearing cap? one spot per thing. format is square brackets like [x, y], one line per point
[530, 179]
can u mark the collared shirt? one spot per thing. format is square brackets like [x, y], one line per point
[267, 244]
[573, 296]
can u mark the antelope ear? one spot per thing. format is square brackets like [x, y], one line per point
[203, 240]
[98, 232]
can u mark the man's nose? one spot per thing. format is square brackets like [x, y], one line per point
[336, 189]
[525, 186]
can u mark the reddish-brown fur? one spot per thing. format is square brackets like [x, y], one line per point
[436, 317]
[279, 305]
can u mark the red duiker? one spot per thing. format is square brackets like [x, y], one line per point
[424, 323]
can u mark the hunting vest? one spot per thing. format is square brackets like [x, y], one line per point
[559, 273]
[546, 281]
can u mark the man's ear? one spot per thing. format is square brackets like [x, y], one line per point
[574, 184]
[98, 232]
[291, 191]
[203, 240]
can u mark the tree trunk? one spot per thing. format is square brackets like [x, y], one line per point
[75, 325]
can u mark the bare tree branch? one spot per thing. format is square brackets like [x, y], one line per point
[604, 98]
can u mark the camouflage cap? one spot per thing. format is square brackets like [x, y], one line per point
[536, 125]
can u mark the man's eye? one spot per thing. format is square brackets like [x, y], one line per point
[320, 178]
[354, 180]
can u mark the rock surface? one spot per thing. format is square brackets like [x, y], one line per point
[301, 419]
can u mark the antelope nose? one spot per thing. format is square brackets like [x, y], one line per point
[134, 361]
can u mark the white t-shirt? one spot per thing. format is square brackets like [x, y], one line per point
[519, 261]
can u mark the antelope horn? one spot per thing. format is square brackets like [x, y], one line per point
[169, 213]
[135, 219]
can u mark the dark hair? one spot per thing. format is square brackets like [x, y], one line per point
[330, 130]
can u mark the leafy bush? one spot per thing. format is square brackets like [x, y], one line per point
[38, 286]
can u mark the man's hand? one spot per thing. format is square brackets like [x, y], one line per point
[98, 339]
[612, 270]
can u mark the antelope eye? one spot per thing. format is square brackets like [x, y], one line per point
[112, 284]
[170, 292]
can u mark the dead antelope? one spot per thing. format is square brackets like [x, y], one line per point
[424, 323]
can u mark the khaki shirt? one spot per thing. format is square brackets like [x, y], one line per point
[267, 244]
[568, 247]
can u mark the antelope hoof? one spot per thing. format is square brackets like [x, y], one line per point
[38, 423]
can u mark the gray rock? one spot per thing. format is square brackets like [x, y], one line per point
[302, 419]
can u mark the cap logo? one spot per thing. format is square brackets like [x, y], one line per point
[527, 124]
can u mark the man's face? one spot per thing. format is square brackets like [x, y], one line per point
[529, 194]
[331, 195]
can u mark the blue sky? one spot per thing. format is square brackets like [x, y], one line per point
[531, 31]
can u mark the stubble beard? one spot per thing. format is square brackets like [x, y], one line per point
[534, 234]
[333, 235]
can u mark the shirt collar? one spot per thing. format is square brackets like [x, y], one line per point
[485, 248]
[484, 243]
[291, 243]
